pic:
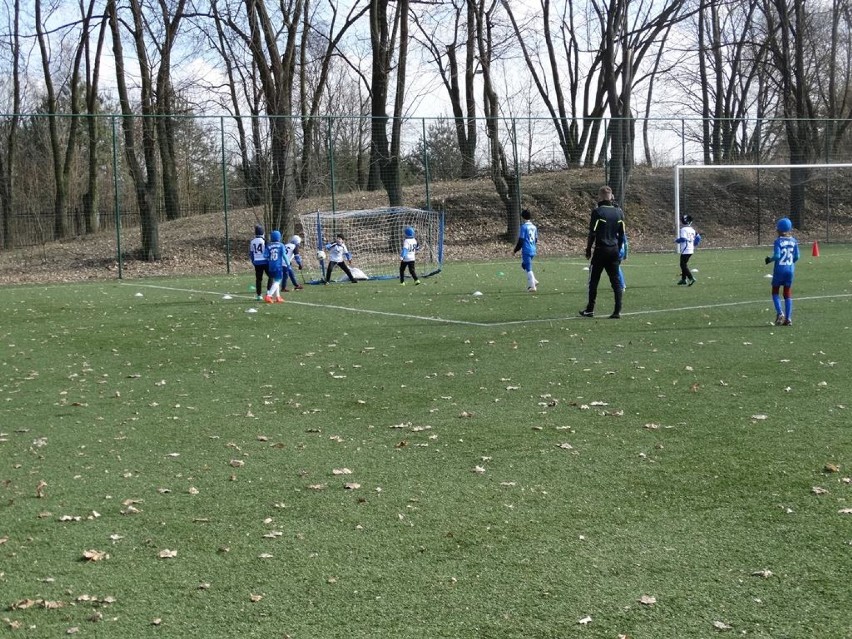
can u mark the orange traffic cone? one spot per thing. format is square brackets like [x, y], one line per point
[815, 251]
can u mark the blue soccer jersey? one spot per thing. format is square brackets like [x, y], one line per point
[528, 237]
[785, 254]
[276, 255]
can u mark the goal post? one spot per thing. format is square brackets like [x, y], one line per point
[761, 186]
[374, 238]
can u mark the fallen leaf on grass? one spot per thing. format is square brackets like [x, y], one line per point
[167, 554]
[565, 446]
[721, 625]
[759, 417]
[766, 574]
[95, 555]
[585, 621]
[255, 598]
[352, 486]
[819, 490]
[237, 463]
[40, 489]
[845, 511]
[341, 471]
[831, 468]
[647, 600]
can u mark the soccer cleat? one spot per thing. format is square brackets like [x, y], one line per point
[531, 289]
[691, 281]
[259, 298]
[787, 322]
[780, 319]
[267, 299]
[416, 282]
[402, 283]
[284, 290]
[682, 282]
[615, 316]
[279, 300]
[299, 287]
[587, 313]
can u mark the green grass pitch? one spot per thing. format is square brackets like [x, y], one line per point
[374, 460]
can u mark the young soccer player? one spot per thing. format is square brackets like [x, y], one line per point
[276, 258]
[785, 254]
[622, 255]
[257, 256]
[687, 240]
[291, 249]
[406, 258]
[526, 244]
[337, 253]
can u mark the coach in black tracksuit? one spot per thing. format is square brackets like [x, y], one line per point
[606, 233]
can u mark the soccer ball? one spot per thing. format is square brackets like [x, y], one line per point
[320, 255]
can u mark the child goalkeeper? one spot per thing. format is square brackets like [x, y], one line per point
[406, 258]
[337, 253]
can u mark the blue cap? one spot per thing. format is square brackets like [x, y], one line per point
[275, 236]
[784, 225]
[409, 231]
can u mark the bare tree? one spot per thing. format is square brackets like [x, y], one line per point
[7, 160]
[146, 180]
[457, 78]
[93, 66]
[384, 153]
[62, 159]
[503, 176]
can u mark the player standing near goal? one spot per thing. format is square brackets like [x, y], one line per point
[406, 258]
[257, 255]
[276, 257]
[687, 240]
[291, 249]
[785, 254]
[527, 240]
[606, 233]
[337, 253]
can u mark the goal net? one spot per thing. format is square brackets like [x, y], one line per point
[374, 238]
[740, 203]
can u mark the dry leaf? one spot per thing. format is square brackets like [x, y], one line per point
[721, 625]
[831, 468]
[40, 489]
[585, 621]
[845, 511]
[819, 490]
[237, 463]
[167, 554]
[478, 469]
[255, 598]
[565, 446]
[766, 574]
[647, 600]
[95, 555]
[352, 486]
[341, 471]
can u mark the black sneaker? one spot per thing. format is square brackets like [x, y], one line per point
[587, 313]
[615, 316]
[691, 281]
[682, 282]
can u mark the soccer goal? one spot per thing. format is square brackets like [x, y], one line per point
[374, 238]
[758, 194]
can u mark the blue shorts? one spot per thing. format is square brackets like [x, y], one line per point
[784, 278]
[526, 261]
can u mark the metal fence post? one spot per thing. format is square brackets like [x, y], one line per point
[116, 201]
[225, 196]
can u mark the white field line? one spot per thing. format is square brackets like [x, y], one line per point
[441, 320]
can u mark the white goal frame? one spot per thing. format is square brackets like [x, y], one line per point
[757, 167]
[374, 237]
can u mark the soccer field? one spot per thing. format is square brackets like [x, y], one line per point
[373, 460]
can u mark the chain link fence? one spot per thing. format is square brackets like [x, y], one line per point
[86, 207]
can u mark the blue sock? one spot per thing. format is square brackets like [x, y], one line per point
[788, 307]
[777, 301]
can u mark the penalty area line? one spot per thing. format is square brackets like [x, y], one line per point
[366, 311]
[441, 320]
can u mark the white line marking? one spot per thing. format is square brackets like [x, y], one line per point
[441, 320]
